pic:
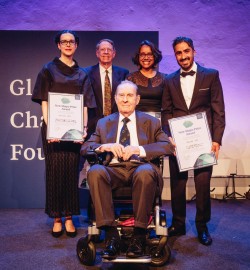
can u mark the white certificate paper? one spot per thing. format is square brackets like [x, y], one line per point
[193, 141]
[65, 117]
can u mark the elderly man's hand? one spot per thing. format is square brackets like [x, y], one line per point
[129, 151]
[116, 148]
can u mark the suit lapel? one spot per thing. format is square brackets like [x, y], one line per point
[115, 79]
[97, 86]
[199, 78]
[177, 84]
[112, 126]
[142, 127]
[115, 82]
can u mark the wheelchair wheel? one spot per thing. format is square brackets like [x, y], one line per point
[86, 251]
[96, 238]
[163, 257]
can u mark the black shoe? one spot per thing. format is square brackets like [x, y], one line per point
[71, 234]
[205, 238]
[57, 234]
[112, 249]
[136, 247]
[176, 231]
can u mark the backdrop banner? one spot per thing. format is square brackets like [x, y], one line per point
[22, 182]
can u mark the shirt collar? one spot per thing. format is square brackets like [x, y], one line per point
[131, 117]
[103, 70]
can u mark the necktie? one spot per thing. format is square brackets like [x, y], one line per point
[191, 73]
[125, 135]
[125, 140]
[107, 95]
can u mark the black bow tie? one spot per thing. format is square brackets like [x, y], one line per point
[191, 73]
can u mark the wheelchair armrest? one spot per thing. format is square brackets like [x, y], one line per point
[156, 161]
[93, 157]
[159, 162]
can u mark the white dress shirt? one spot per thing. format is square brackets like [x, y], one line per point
[133, 135]
[132, 131]
[187, 84]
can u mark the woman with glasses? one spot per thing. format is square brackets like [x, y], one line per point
[150, 82]
[62, 75]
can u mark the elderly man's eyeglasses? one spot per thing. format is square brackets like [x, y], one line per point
[106, 50]
[67, 42]
[146, 55]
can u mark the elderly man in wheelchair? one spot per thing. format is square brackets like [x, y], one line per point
[130, 141]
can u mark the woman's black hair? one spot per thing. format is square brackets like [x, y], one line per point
[155, 51]
[58, 36]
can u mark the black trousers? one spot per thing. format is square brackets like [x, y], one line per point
[178, 182]
[103, 179]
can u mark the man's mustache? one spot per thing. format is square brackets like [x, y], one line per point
[182, 60]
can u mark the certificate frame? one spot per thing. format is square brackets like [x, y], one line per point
[193, 141]
[65, 117]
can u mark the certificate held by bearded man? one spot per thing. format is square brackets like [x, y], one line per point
[193, 141]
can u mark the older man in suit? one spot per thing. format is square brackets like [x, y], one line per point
[131, 139]
[192, 89]
[104, 77]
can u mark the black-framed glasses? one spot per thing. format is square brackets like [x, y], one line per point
[146, 55]
[67, 42]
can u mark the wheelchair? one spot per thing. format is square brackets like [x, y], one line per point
[157, 251]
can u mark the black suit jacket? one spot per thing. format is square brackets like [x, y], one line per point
[118, 74]
[149, 132]
[207, 97]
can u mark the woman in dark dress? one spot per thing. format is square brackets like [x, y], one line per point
[150, 82]
[62, 75]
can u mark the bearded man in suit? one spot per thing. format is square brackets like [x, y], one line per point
[192, 89]
[128, 164]
[105, 52]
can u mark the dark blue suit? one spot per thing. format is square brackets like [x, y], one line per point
[118, 74]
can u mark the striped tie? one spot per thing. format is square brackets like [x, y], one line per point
[107, 95]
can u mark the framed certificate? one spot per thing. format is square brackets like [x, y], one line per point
[193, 141]
[65, 117]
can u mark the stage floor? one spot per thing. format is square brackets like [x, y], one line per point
[26, 242]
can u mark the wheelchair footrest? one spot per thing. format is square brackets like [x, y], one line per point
[131, 221]
[124, 259]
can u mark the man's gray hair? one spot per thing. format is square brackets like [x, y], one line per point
[128, 83]
[107, 40]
